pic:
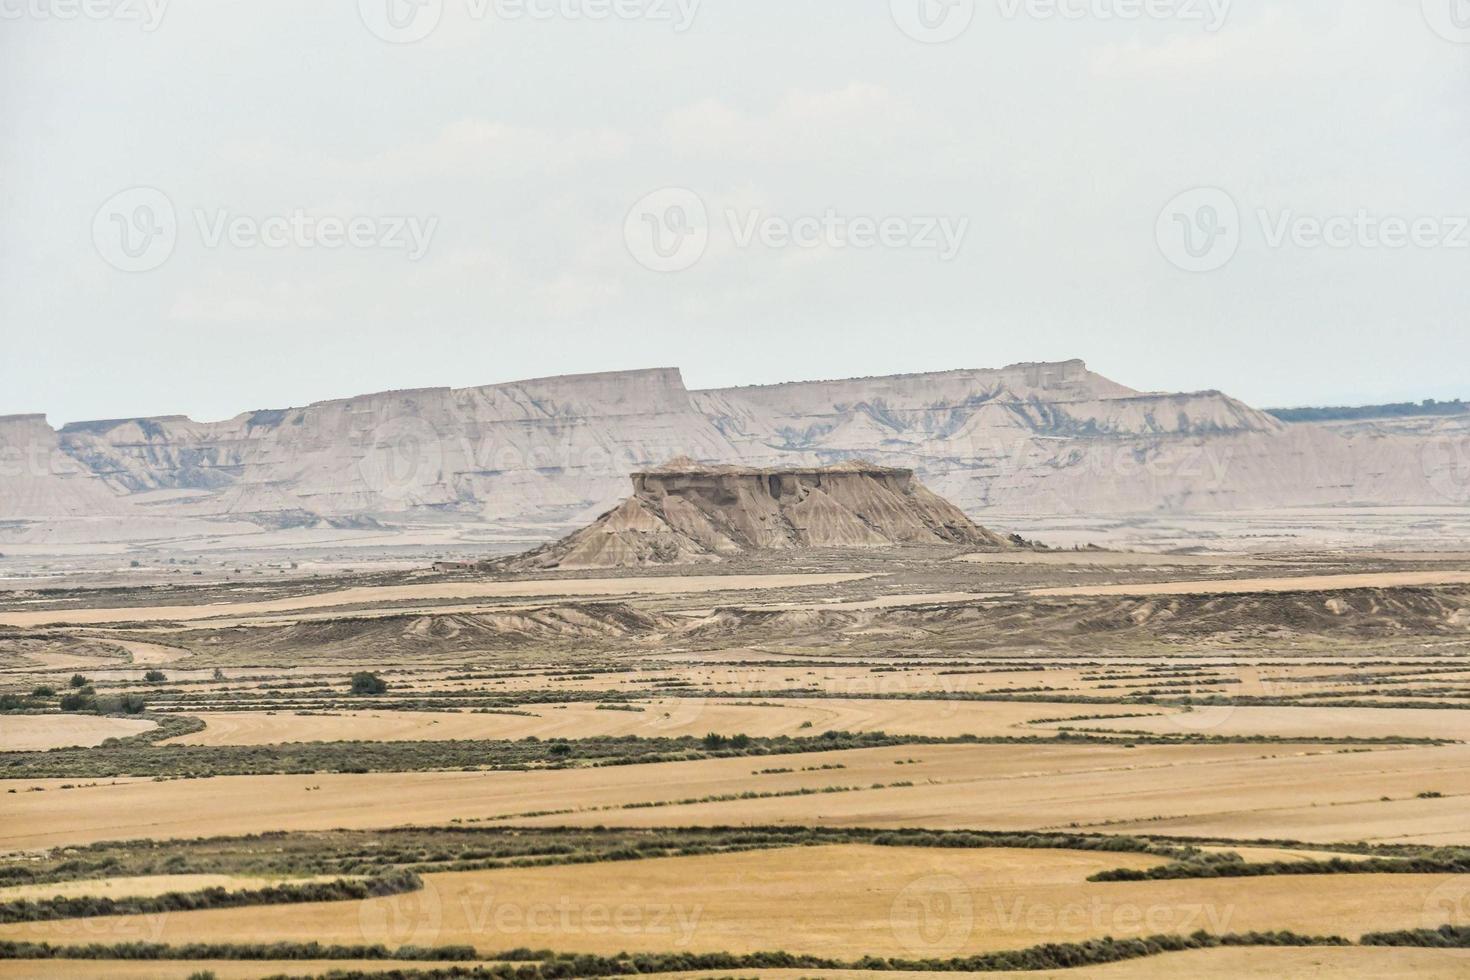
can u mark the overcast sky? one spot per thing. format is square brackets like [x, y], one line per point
[210, 207]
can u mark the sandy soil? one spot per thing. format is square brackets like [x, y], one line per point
[1290, 722]
[1214, 964]
[466, 591]
[29, 733]
[1110, 559]
[151, 654]
[1242, 586]
[1240, 791]
[842, 900]
[667, 717]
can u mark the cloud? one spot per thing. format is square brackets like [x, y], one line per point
[1283, 42]
[803, 125]
[470, 147]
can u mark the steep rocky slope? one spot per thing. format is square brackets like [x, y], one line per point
[537, 458]
[684, 512]
[38, 480]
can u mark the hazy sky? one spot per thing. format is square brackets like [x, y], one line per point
[1270, 198]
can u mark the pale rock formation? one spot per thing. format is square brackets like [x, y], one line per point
[685, 512]
[543, 457]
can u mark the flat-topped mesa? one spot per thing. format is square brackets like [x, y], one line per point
[686, 512]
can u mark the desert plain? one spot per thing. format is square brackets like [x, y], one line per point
[848, 763]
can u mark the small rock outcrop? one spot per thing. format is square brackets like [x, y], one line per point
[686, 512]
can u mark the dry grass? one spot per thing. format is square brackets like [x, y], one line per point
[1241, 791]
[29, 733]
[1215, 964]
[439, 592]
[839, 901]
[147, 886]
[665, 717]
[1288, 722]
[1245, 586]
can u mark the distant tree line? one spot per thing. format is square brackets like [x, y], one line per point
[1354, 413]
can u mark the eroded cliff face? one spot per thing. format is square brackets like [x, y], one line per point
[541, 457]
[685, 512]
[39, 480]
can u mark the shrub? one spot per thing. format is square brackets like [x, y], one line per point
[156, 676]
[77, 681]
[78, 701]
[44, 691]
[120, 704]
[366, 682]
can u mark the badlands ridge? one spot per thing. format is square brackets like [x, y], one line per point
[540, 458]
[684, 512]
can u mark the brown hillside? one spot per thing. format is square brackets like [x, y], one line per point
[685, 512]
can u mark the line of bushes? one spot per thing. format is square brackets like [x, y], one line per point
[527, 965]
[1448, 861]
[1445, 937]
[460, 847]
[151, 952]
[395, 882]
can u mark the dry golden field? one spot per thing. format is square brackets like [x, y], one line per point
[1246, 792]
[1306, 583]
[145, 886]
[654, 718]
[1282, 709]
[848, 898]
[1214, 964]
[24, 733]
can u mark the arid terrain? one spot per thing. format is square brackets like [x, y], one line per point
[894, 758]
